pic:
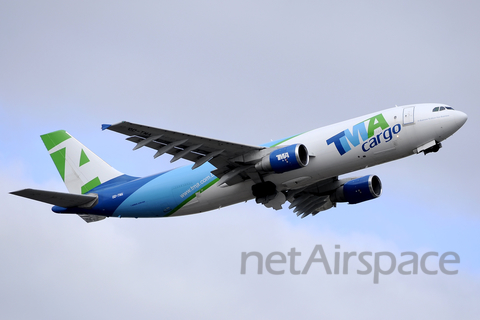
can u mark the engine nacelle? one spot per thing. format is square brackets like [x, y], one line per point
[359, 190]
[284, 159]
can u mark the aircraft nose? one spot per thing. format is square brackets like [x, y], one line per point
[460, 118]
[452, 124]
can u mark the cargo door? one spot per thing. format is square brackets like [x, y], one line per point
[408, 116]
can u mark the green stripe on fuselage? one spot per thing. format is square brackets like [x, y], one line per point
[184, 202]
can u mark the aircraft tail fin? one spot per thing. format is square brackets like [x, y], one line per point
[81, 170]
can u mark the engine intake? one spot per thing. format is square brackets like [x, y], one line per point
[359, 190]
[284, 159]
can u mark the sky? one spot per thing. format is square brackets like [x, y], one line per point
[248, 72]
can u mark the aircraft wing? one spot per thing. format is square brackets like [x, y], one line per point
[314, 198]
[221, 154]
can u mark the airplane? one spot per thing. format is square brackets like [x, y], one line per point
[302, 169]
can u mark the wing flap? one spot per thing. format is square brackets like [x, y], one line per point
[314, 198]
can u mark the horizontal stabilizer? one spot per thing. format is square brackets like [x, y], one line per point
[61, 199]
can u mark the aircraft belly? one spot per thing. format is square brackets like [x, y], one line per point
[152, 200]
[166, 194]
[217, 197]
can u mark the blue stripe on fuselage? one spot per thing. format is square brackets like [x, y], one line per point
[111, 194]
[154, 196]
[165, 193]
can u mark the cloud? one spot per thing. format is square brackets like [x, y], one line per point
[58, 266]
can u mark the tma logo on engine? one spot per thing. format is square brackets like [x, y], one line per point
[369, 139]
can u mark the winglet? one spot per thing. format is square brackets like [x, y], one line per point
[106, 126]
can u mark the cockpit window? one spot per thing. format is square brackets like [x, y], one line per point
[441, 109]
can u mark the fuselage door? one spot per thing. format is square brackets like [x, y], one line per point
[408, 115]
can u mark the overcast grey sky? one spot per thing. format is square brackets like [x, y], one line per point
[249, 72]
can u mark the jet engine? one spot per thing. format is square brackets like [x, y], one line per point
[359, 190]
[284, 159]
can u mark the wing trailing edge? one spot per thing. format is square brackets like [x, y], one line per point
[225, 156]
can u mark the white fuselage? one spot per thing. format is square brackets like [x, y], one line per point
[409, 128]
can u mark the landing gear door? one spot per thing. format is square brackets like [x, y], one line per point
[408, 116]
